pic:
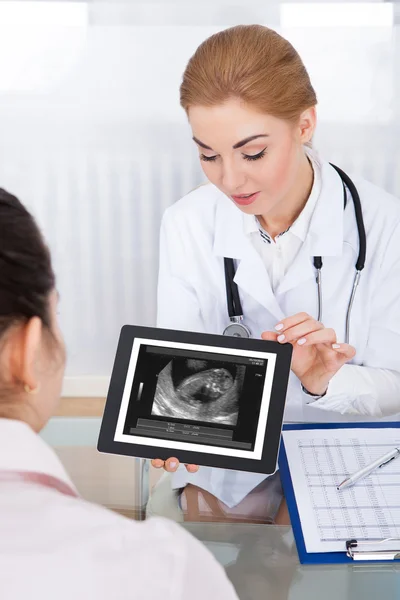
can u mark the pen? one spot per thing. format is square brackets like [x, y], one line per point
[379, 462]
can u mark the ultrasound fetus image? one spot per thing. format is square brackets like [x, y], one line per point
[199, 390]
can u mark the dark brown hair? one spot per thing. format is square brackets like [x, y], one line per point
[26, 274]
[254, 64]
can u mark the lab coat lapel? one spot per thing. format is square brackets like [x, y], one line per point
[325, 234]
[300, 271]
[252, 277]
[231, 241]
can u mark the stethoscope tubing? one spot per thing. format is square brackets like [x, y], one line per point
[235, 311]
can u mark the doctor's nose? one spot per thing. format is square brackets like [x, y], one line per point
[232, 179]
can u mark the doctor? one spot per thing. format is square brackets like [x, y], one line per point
[279, 218]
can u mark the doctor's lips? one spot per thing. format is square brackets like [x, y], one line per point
[245, 199]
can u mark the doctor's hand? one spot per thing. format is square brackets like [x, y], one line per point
[171, 465]
[316, 354]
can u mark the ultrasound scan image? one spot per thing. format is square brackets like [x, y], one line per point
[199, 390]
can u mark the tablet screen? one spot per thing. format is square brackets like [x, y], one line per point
[177, 395]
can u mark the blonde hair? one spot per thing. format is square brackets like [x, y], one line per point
[252, 63]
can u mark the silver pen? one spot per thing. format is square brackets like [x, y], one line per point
[379, 462]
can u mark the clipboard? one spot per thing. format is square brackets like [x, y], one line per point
[362, 552]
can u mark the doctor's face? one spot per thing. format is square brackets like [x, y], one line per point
[253, 158]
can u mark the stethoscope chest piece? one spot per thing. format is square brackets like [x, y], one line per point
[237, 330]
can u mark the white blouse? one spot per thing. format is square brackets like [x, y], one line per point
[54, 546]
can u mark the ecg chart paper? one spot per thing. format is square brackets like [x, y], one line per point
[320, 459]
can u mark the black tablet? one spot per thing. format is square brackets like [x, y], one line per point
[204, 399]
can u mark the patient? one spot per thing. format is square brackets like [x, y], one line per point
[53, 544]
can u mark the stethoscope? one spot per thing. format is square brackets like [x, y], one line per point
[237, 328]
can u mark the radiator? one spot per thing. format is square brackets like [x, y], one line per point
[101, 215]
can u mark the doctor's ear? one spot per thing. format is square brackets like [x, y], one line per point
[307, 124]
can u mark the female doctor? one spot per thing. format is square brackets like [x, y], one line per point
[316, 256]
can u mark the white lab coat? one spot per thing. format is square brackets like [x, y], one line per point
[54, 546]
[205, 226]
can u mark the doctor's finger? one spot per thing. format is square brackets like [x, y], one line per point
[346, 350]
[269, 336]
[292, 321]
[171, 465]
[323, 336]
[192, 468]
[299, 331]
[157, 463]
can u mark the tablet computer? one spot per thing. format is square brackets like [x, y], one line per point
[205, 399]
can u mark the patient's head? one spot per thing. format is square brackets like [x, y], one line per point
[32, 352]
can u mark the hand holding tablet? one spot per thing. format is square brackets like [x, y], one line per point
[204, 399]
[172, 464]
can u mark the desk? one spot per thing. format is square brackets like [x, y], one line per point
[262, 563]
[261, 560]
[120, 483]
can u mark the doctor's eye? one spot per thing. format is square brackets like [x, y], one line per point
[207, 158]
[255, 156]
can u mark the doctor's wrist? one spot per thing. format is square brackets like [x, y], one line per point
[314, 390]
[313, 396]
